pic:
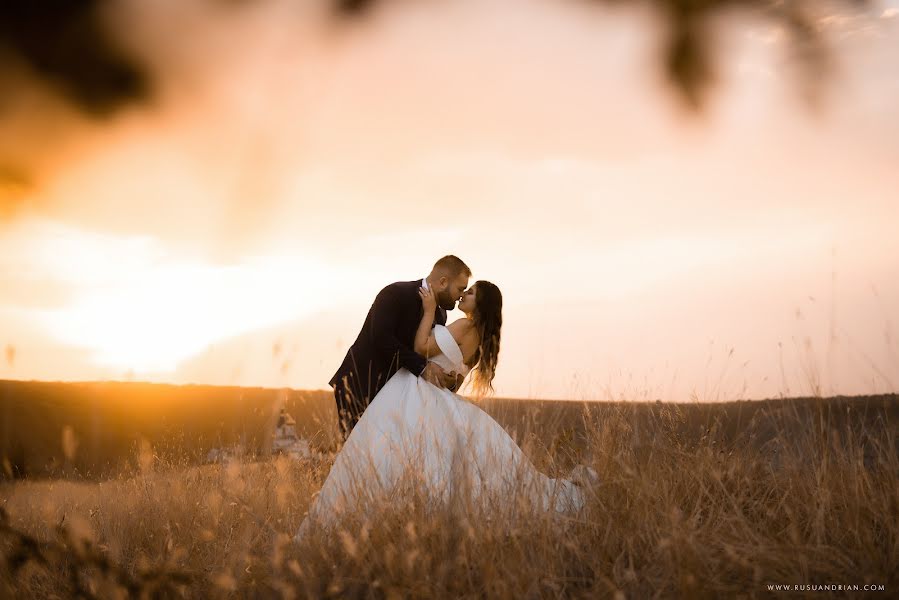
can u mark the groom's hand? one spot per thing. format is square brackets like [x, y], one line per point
[434, 374]
[458, 378]
[449, 381]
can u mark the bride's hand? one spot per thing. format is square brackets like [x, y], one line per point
[428, 301]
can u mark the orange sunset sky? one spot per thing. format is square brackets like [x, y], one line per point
[235, 229]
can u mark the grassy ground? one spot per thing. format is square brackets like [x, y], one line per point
[815, 502]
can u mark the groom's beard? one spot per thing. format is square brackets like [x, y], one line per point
[445, 301]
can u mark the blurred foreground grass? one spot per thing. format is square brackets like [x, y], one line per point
[815, 502]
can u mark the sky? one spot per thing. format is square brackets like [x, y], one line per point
[235, 229]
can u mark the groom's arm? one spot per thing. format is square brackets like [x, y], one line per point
[384, 320]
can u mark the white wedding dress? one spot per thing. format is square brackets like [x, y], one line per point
[444, 441]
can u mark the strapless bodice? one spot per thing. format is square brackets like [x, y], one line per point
[450, 357]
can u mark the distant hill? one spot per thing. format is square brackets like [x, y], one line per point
[109, 419]
[182, 423]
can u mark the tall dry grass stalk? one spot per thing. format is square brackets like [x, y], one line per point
[797, 497]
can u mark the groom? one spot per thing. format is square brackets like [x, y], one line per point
[385, 343]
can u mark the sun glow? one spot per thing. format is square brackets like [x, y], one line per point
[136, 306]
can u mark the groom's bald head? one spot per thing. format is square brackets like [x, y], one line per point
[448, 279]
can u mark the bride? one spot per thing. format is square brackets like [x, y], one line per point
[445, 442]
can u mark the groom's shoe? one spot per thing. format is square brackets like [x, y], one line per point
[584, 476]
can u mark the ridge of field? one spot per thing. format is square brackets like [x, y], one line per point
[104, 423]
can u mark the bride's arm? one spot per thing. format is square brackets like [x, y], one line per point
[425, 344]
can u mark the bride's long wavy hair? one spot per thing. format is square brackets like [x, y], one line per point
[488, 320]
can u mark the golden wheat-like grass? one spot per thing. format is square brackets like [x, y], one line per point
[817, 502]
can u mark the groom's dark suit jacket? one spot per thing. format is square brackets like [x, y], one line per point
[384, 345]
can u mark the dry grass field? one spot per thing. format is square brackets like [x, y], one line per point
[695, 501]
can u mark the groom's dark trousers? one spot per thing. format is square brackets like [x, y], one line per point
[384, 345]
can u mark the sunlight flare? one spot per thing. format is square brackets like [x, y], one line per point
[137, 306]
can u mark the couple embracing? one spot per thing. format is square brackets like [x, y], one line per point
[398, 410]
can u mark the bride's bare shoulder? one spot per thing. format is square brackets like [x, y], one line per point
[463, 329]
[463, 325]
